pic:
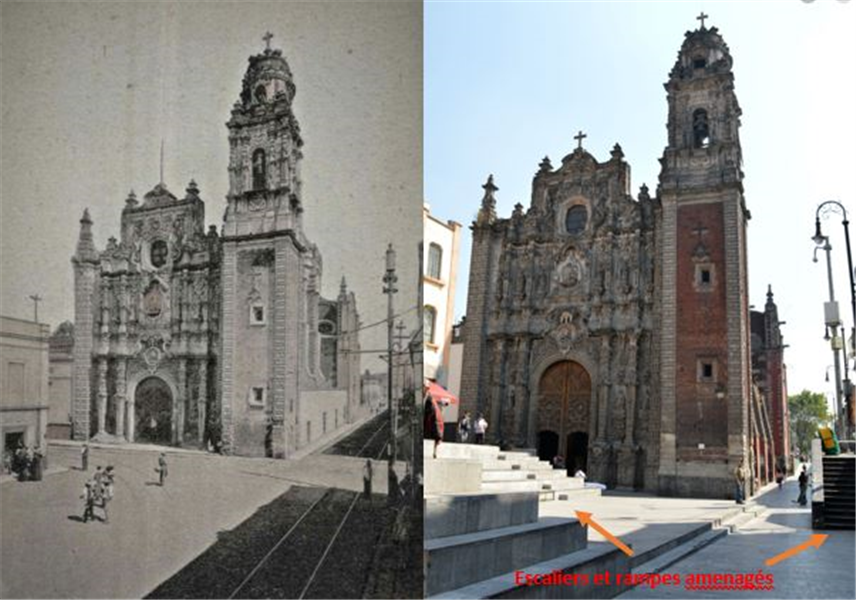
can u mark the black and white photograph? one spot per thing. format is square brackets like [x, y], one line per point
[211, 338]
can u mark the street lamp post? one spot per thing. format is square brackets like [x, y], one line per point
[832, 321]
[832, 205]
[389, 281]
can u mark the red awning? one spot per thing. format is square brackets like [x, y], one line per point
[441, 394]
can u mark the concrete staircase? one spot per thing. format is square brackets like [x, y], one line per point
[512, 471]
[839, 483]
[482, 524]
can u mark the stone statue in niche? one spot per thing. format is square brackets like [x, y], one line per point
[153, 300]
[569, 273]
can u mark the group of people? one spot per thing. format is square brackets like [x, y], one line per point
[27, 463]
[467, 426]
[98, 492]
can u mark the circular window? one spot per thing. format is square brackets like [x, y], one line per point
[575, 220]
[326, 328]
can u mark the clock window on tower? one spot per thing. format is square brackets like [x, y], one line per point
[159, 253]
[259, 179]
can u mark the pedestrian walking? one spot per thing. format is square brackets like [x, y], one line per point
[803, 482]
[99, 475]
[88, 500]
[464, 428]
[480, 428]
[161, 469]
[741, 474]
[38, 464]
[84, 457]
[432, 422]
[367, 479]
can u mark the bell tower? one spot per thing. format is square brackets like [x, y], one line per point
[264, 150]
[266, 265]
[705, 360]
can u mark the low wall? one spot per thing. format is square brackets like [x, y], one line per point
[321, 414]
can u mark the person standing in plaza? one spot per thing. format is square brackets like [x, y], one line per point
[803, 482]
[88, 500]
[464, 428]
[162, 470]
[84, 457]
[432, 422]
[480, 428]
[741, 474]
[367, 479]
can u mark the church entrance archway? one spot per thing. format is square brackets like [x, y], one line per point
[153, 411]
[564, 400]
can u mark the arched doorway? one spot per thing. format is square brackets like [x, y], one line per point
[564, 398]
[153, 411]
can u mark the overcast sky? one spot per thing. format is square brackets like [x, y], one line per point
[506, 84]
[89, 91]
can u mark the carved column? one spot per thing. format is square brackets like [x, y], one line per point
[180, 400]
[121, 395]
[102, 395]
[201, 401]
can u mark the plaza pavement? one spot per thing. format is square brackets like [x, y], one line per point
[47, 552]
[826, 572]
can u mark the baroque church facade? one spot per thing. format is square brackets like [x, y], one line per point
[614, 330]
[188, 336]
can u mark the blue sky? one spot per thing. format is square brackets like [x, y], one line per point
[508, 83]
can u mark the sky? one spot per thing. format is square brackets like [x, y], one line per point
[508, 83]
[90, 90]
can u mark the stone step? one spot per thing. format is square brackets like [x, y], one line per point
[568, 483]
[597, 557]
[528, 485]
[446, 516]
[499, 465]
[452, 476]
[465, 451]
[577, 494]
[520, 456]
[507, 475]
[457, 561]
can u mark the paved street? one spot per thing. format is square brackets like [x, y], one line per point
[47, 552]
[826, 572]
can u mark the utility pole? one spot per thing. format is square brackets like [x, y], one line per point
[36, 299]
[389, 281]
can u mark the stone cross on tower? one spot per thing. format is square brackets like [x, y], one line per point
[580, 137]
[701, 18]
[267, 37]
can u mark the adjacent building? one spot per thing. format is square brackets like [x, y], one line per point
[189, 336]
[613, 329]
[441, 248]
[60, 369]
[770, 374]
[24, 397]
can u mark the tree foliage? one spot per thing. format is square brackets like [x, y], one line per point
[808, 411]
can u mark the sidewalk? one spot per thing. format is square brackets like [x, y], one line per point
[824, 572]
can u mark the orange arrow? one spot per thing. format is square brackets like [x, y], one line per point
[585, 519]
[815, 540]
